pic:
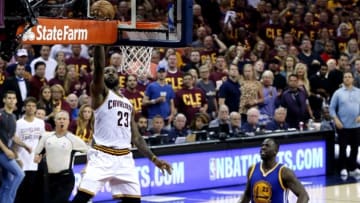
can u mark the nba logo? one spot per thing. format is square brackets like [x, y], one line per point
[212, 168]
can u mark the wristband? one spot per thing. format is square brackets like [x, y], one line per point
[153, 158]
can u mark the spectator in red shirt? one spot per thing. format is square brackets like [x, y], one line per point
[190, 100]
[133, 94]
[38, 80]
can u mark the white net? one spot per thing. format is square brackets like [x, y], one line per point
[136, 60]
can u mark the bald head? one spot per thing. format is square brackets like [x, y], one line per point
[180, 121]
[235, 118]
[223, 112]
[73, 100]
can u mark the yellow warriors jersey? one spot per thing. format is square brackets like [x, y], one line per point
[267, 187]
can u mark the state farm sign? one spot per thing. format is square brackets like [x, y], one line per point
[66, 31]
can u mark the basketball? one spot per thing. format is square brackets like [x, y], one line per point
[102, 10]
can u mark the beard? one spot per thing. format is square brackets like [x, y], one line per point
[111, 84]
[142, 130]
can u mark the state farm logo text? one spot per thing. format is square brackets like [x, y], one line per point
[53, 33]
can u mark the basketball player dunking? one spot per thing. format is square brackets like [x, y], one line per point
[110, 158]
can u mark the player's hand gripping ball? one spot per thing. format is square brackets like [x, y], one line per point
[102, 10]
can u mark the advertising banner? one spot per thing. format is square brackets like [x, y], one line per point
[220, 168]
[70, 31]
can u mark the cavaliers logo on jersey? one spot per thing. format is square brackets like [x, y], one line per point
[262, 192]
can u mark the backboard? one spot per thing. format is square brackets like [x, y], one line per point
[164, 23]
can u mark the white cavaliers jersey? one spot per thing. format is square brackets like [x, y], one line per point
[29, 133]
[113, 122]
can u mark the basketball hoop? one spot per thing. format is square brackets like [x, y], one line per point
[137, 59]
[143, 30]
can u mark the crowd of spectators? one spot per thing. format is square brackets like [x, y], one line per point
[273, 64]
[253, 67]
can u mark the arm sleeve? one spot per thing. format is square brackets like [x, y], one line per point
[222, 91]
[282, 101]
[177, 100]
[203, 98]
[17, 131]
[147, 91]
[333, 105]
[40, 146]
[78, 144]
[43, 130]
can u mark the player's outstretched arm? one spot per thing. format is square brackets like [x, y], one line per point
[97, 87]
[139, 142]
[291, 181]
[247, 193]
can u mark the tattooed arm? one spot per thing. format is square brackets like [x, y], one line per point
[141, 145]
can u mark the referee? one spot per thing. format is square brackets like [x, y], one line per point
[60, 147]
